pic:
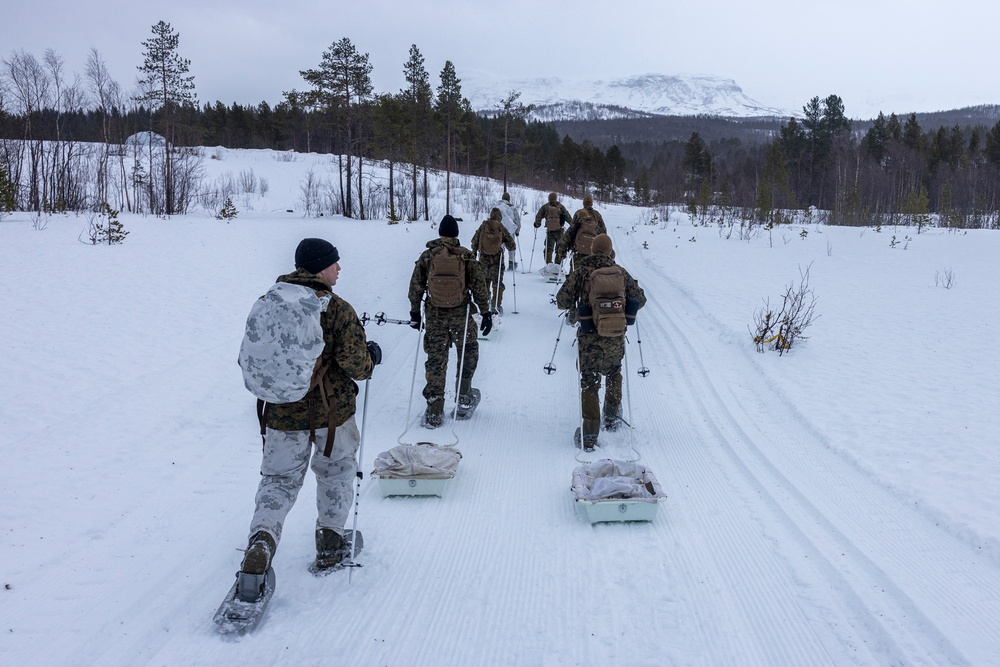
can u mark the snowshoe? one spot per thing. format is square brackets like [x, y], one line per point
[245, 604]
[432, 420]
[589, 441]
[467, 404]
[330, 558]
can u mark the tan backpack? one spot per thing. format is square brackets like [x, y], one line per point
[446, 277]
[490, 237]
[553, 217]
[606, 297]
[585, 234]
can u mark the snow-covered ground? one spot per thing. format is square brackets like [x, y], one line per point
[835, 505]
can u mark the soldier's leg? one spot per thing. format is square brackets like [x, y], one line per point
[437, 341]
[282, 469]
[335, 475]
[551, 239]
[500, 285]
[590, 384]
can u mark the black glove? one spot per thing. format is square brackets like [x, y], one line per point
[415, 319]
[487, 326]
[517, 233]
[375, 352]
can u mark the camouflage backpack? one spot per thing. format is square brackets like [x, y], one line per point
[283, 343]
[490, 237]
[585, 234]
[446, 277]
[605, 289]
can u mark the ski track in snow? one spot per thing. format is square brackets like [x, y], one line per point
[770, 548]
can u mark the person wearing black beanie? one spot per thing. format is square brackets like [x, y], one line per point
[319, 426]
[451, 279]
[315, 255]
[448, 227]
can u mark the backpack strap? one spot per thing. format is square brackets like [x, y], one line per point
[262, 409]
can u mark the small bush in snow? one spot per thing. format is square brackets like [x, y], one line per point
[228, 211]
[105, 228]
[944, 278]
[779, 330]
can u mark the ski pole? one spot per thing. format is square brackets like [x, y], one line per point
[513, 290]
[413, 384]
[550, 367]
[643, 371]
[381, 319]
[461, 363]
[357, 488]
[531, 260]
[628, 396]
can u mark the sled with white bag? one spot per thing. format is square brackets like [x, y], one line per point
[613, 491]
[423, 469]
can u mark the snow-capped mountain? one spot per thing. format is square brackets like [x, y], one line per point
[630, 97]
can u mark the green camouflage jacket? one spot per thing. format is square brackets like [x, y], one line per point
[347, 360]
[572, 291]
[475, 280]
[568, 237]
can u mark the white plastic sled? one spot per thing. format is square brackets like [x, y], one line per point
[423, 469]
[610, 490]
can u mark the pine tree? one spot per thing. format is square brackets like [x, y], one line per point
[8, 193]
[418, 96]
[449, 107]
[228, 211]
[342, 82]
[167, 86]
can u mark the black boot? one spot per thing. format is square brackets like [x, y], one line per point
[259, 553]
[330, 549]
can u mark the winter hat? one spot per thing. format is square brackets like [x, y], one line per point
[448, 227]
[552, 197]
[495, 214]
[505, 196]
[314, 255]
[601, 245]
[588, 201]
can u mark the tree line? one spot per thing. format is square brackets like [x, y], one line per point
[63, 145]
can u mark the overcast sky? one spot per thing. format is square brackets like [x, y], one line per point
[892, 55]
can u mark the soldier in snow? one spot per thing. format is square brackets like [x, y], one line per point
[512, 221]
[606, 297]
[579, 236]
[555, 216]
[488, 242]
[318, 431]
[451, 279]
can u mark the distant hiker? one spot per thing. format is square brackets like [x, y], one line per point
[579, 236]
[607, 298]
[451, 279]
[555, 216]
[323, 419]
[512, 221]
[489, 241]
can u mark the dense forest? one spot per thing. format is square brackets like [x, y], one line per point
[65, 145]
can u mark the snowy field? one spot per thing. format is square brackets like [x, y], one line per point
[837, 505]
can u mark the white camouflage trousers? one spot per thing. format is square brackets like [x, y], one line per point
[283, 469]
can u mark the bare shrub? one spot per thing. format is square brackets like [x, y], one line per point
[780, 330]
[944, 278]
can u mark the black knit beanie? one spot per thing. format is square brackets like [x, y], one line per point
[448, 227]
[314, 255]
